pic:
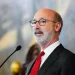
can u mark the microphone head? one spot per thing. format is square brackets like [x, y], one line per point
[18, 48]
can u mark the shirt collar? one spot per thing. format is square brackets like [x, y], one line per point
[51, 48]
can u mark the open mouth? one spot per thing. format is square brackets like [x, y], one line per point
[38, 33]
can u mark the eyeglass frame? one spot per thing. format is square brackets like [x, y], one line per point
[40, 21]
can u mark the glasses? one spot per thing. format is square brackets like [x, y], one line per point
[41, 22]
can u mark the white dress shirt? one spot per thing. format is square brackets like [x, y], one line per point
[48, 51]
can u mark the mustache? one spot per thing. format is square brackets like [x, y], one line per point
[38, 31]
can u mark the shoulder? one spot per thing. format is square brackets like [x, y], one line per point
[65, 55]
[65, 52]
[71, 59]
[68, 67]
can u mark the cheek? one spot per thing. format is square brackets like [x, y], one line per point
[47, 28]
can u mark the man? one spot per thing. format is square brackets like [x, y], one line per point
[57, 60]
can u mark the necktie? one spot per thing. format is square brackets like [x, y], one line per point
[37, 64]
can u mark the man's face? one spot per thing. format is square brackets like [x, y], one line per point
[44, 33]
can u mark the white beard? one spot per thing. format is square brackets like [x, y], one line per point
[47, 36]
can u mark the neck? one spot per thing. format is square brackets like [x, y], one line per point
[43, 46]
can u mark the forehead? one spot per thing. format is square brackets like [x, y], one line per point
[46, 14]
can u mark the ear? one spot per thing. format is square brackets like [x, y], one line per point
[57, 26]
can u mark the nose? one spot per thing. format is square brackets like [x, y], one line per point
[37, 26]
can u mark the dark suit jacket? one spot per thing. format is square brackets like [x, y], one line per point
[60, 62]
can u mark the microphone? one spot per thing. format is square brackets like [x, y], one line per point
[17, 49]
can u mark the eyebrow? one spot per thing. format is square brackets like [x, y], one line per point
[39, 19]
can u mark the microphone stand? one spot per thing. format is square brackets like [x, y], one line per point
[18, 48]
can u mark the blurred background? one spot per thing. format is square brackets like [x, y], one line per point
[15, 28]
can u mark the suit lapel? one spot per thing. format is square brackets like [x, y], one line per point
[29, 67]
[50, 60]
